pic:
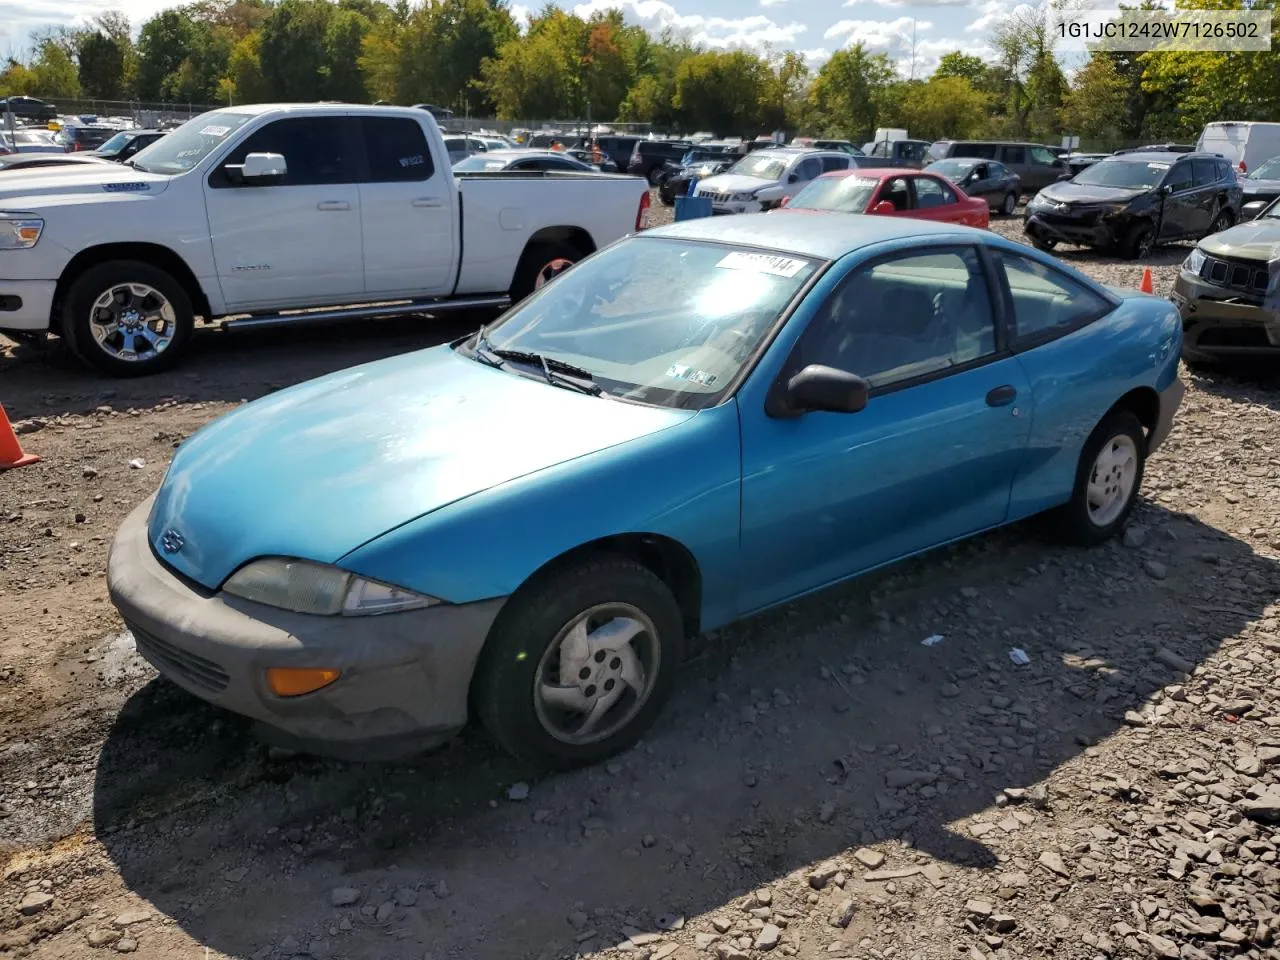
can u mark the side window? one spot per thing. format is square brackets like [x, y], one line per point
[905, 317]
[526, 165]
[1042, 156]
[808, 168]
[985, 150]
[396, 150]
[551, 163]
[1205, 173]
[316, 150]
[1224, 171]
[931, 193]
[896, 192]
[1013, 154]
[1045, 302]
[834, 163]
[1181, 176]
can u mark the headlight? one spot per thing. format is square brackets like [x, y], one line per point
[1194, 261]
[317, 588]
[19, 233]
[1112, 209]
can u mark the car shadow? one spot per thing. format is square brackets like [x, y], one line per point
[1239, 380]
[224, 365]
[824, 725]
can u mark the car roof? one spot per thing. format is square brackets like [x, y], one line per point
[518, 154]
[875, 173]
[823, 238]
[1157, 156]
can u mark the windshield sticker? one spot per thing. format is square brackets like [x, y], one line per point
[416, 160]
[1157, 166]
[215, 131]
[786, 267]
[678, 371]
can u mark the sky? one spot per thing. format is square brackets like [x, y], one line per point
[817, 28]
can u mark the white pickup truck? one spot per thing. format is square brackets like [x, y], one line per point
[262, 214]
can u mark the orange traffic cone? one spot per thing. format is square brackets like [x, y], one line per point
[11, 454]
[1147, 285]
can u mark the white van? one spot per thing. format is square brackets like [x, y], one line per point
[1245, 143]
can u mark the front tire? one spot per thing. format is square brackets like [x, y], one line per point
[1048, 246]
[541, 263]
[1138, 243]
[126, 318]
[1108, 479]
[579, 663]
[655, 177]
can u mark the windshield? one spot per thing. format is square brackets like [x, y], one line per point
[659, 321]
[185, 147]
[760, 165]
[1122, 173]
[116, 143]
[952, 169]
[843, 194]
[1266, 171]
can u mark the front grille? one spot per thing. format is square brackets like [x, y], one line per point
[1073, 217]
[715, 197]
[1245, 276]
[200, 673]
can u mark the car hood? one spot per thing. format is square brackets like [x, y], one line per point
[1268, 188]
[734, 183]
[319, 469]
[24, 189]
[1068, 192]
[1255, 240]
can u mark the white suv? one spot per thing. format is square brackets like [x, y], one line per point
[760, 180]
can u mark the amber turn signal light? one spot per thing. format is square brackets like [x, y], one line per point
[295, 681]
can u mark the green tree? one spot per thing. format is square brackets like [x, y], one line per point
[163, 45]
[53, 73]
[292, 50]
[721, 91]
[342, 42]
[946, 106]
[848, 92]
[101, 66]
[244, 82]
[1095, 106]
[964, 65]
[539, 75]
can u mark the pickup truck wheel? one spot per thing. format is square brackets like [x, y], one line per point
[655, 177]
[540, 264]
[1107, 481]
[579, 663]
[127, 319]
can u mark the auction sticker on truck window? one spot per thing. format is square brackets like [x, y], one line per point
[762, 263]
[215, 131]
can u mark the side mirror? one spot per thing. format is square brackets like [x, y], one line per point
[827, 389]
[884, 207]
[1166, 190]
[258, 169]
[794, 178]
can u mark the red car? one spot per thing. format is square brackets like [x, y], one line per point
[891, 192]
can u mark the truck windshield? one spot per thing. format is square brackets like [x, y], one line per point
[656, 320]
[1122, 173]
[190, 143]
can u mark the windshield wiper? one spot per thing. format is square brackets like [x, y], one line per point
[558, 373]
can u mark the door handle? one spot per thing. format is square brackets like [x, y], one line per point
[428, 202]
[1001, 396]
[333, 205]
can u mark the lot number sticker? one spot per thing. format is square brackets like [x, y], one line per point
[762, 263]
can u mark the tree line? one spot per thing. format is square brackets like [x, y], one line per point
[472, 56]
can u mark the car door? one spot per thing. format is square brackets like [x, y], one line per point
[1180, 214]
[1207, 190]
[930, 459]
[408, 220]
[933, 199]
[297, 242]
[1043, 166]
[896, 191]
[1072, 367]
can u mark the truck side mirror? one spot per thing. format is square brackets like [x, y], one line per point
[258, 170]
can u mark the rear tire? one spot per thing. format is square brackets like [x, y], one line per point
[1108, 479]
[1224, 220]
[540, 263]
[126, 318]
[624, 662]
[1009, 205]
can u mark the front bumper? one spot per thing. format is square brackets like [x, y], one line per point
[26, 304]
[1084, 232]
[404, 676]
[1170, 400]
[1218, 323]
[725, 207]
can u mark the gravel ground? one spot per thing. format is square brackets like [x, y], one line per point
[822, 785]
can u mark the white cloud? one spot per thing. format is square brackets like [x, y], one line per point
[18, 20]
[918, 4]
[913, 56]
[772, 3]
[994, 11]
[721, 32]
[520, 14]
[876, 35]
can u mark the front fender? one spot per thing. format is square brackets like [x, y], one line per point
[682, 483]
